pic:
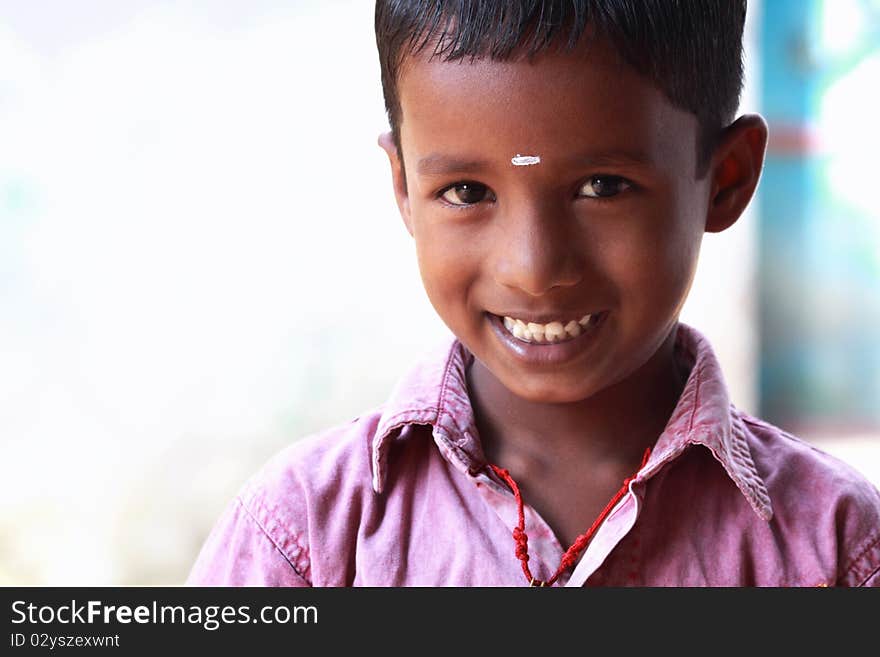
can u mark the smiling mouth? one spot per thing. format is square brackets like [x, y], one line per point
[550, 333]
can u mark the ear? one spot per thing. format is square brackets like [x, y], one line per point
[398, 177]
[735, 169]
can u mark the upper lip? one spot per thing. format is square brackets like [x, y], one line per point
[545, 318]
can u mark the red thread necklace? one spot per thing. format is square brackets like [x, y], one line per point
[521, 539]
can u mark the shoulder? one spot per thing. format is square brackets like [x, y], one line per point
[792, 464]
[315, 463]
[314, 485]
[810, 488]
[303, 494]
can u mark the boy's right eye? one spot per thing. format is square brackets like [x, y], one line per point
[466, 193]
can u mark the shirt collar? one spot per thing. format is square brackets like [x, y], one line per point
[434, 393]
[705, 416]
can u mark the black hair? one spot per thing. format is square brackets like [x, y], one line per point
[690, 49]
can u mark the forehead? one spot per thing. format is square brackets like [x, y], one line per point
[556, 103]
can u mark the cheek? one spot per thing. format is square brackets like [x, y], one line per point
[654, 260]
[447, 265]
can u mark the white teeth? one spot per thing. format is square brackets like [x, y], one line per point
[553, 332]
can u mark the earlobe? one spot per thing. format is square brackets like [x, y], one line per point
[398, 177]
[735, 171]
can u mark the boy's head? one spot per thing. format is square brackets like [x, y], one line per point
[689, 49]
[558, 163]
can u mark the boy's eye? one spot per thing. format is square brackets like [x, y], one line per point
[466, 193]
[603, 186]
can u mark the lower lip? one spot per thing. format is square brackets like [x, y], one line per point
[534, 353]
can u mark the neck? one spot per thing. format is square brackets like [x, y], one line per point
[613, 427]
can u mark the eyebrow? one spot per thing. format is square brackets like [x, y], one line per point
[614, 158]
[437, 164]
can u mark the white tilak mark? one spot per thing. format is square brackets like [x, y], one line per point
[525, 160]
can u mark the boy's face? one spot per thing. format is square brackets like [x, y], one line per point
[607, 224]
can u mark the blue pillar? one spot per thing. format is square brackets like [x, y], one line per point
[819, 293]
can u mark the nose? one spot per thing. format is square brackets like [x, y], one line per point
[536, 249]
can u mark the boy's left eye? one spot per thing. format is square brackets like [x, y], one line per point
[603, 186]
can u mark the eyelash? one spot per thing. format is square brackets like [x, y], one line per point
[626, 185]
[462, 183]
[620, 180]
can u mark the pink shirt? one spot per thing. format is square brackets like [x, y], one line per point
[402, 496]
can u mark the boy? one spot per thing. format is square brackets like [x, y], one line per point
[557, 164]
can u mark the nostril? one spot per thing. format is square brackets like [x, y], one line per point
[537, 274]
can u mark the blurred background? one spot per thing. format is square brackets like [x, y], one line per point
[198, 247]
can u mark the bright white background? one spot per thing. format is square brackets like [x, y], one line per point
[200, 262]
